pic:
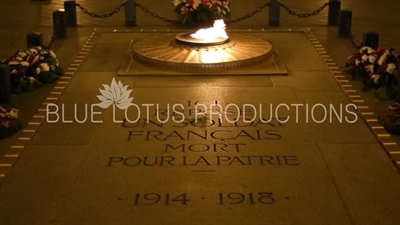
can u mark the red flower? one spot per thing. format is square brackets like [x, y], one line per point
[352, 57]
[365, 52]
[380, 51]
[32, 59]
[382, 68]
[5, 123]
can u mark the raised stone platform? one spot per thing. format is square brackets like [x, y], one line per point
[160, 54]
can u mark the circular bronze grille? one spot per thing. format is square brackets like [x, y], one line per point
[164, 52]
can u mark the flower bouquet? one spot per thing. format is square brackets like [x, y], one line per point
[199, 12]
[9, 122]
[390, 119]
[32, 67]
[378, 69]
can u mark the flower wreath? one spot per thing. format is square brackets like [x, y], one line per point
[32, 67]
[9, 122]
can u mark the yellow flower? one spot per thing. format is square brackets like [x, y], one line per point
[195, 5]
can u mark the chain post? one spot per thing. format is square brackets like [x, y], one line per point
[70, 13]
[5, 84]
[344, 26]
[371, 39]
[59, 24]
[31, 45]
[397, 77]
[274, 12]
[397, 97]
[333, 12]
[130, 13]
[34, 39]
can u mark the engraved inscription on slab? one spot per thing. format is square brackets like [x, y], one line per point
[205, 144]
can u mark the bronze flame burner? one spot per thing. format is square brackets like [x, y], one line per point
[187, 39]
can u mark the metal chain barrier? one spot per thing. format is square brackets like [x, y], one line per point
[305, 15]
[155, 15]
[115, 11]
[348, 23]
[50, 43]
[259, 9]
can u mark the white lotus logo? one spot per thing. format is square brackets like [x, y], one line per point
[116, 94]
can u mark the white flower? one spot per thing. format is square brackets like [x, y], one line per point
[375, 77]
[57, 62]
[390, 68]
[52, 54]
[382, 59]
[33, 51]
[44, 67]
[357, 62]
[19, 58]
[39, 48]
[369, 68]
[177, 2]
[116, 94]
[14, 113]
[369, 49]
[14, 71]
[22, 54]
[364, 58]
[25, 63]
[372, 58]
[31, 80]
[37, 70]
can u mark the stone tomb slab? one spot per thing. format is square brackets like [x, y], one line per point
[188, 173]
[244, 47]
[204, 173]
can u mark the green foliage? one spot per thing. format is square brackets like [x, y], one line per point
[13, 127]
[47, 77]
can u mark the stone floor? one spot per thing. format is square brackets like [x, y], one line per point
[293, 173]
